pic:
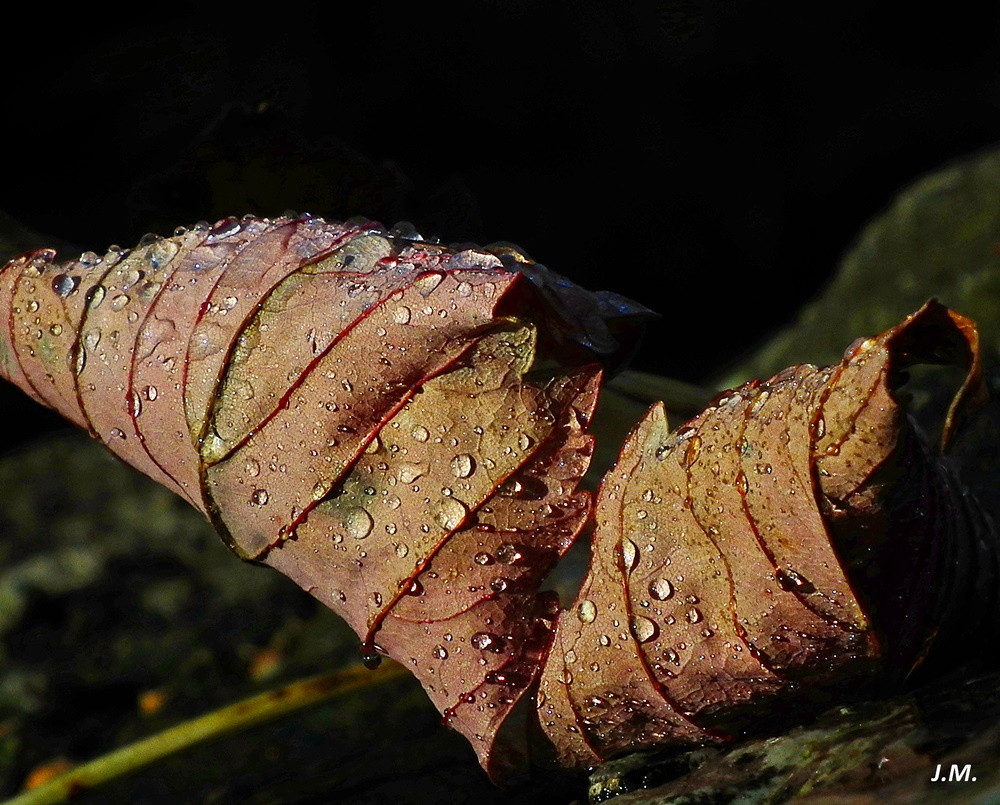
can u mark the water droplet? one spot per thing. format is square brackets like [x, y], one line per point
[691, 451]
[358, 523]
[116, 433]
[402, 549]
[791, 580]
[420, 433]
[259, 497]
[672, 656]
[56, 329]
[463, 289]
[92, 338]
[630, 554]
[482, 558]
[462, 465]
[587, 611]
[820, 427]
[741, 484]
[252, 467]
[524, 441]
[643, 628]
[450, 513]
[65, 284]
[508, 554]
[136, 404]
[499, 584]
[95, 296]
[409, 472]
[661, 589]
[440, 653]
[119, 302]
[693, 615]
[484, 641]
[33, 305]
[401, 315]
[428, 282]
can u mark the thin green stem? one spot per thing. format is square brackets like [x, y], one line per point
[241, 715]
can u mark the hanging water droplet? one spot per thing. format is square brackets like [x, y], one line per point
[259, 497]
[643, 628]
[450, 513]
[462, 465]
[401, 315]
[661, 589]
[358, 523]
[587, 611]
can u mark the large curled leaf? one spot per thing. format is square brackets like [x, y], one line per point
[376, 417]
[797, 533]
[400, 427]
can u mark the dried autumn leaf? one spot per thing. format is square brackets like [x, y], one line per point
[378, 417]
[400, 428]
[796, 534]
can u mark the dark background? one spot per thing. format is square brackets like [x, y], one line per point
[710, 160]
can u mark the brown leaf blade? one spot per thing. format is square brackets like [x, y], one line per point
[787, 538]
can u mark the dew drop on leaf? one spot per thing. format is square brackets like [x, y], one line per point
[508, 554]
[630, 554]
[587, 611]
[358, 523]
[450, 513]
[462, 465]
[643, 628]
[259, 497]
[661, 589]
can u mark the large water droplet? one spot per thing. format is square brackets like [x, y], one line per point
[508, 554]
[587, 611]
[661, 589]
[420, 433]
[95, 296]
[401, 315]
[630, 554]
[409, 472]
[450, 513]
[428, 282]
[65, 284]
[643, 628]
[358, 523]
[484, 641]
[259, 497]
[462, 465]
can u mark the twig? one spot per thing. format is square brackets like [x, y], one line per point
[241, 715]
